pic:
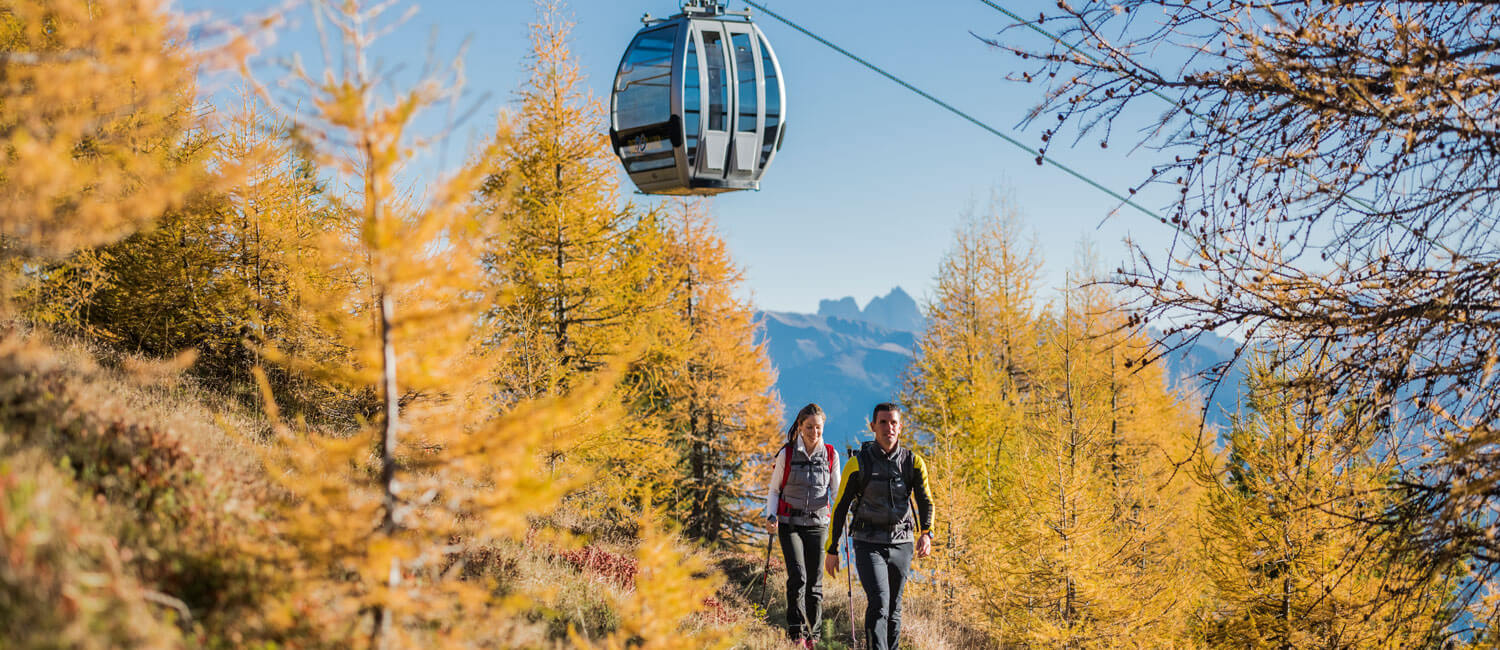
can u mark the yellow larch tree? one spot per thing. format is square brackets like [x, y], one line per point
[101, 137]
[576, 270]
[220, 276]
[1088, 551]
[94, 105]
[381, 514]
[965, 386]
[709, 384]
[271, 224]
[1056, 455]
[578, 277]
[1291, 538]
[384, 516]
[1332, 166]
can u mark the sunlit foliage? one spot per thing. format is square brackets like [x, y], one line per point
[94, 104]
[1286, 549]
[1053, 456]
[708, 385]
[1333, 170]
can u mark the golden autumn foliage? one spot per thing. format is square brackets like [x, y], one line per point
[1329, 168]
[94, 104]
[223, 275]
[499, 405]
[452, 464]
[577, 275]
[1095, 544]
[707, 383]
[578, 278]
[382, 513]
[395, 501]
[1287, 545]
[1052, 456]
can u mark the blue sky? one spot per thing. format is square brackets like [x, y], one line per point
[871, 180]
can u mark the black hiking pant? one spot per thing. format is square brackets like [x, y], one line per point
[802, 548]
[883, 569]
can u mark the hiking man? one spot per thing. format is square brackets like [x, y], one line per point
[879, 484]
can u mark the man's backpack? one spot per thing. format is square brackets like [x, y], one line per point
[865, 459]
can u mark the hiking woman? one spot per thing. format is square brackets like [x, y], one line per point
[798, 504]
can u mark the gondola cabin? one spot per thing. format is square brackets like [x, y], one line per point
[697, 106]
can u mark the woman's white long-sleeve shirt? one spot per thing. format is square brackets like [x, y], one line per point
[773, 489]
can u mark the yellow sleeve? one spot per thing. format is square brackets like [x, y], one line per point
[850, 467]
[841, 504]
[923, 496]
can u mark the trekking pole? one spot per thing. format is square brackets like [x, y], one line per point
[849, 572]
[765, 576]
[849, 583]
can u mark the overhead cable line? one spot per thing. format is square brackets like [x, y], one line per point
[1032, 25]
[970, 118]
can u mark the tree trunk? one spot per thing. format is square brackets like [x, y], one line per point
[388, 485]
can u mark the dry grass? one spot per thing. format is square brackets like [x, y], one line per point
[170, 499]
[64, 583]
[925, 623]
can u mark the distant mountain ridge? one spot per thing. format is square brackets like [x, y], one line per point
[1191, 367]
[844, 365]
[848, 359]
[843, 358]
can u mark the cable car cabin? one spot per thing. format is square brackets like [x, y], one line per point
[697, 104]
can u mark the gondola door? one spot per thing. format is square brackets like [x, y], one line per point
[748, 81]
[715, 101]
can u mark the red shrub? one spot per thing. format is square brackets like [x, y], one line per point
[616, 568]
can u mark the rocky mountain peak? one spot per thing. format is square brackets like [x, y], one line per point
[844, 308]
[896, 311]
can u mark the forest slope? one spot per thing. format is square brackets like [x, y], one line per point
[136, 513]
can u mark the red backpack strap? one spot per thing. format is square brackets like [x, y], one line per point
[786, 467]
[828, 449]
[786, 471]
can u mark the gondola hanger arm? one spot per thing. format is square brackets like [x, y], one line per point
[711, 8]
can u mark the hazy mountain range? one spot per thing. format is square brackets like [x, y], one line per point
[1194, 367]
[845, 363]
[847, 359]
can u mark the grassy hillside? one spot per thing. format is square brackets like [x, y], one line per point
[134, 512]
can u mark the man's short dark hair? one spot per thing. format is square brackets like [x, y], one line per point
[884, 406]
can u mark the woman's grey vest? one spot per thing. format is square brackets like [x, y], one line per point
[884, 514]
[805, 497]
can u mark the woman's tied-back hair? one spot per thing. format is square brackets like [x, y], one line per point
[807, 411]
